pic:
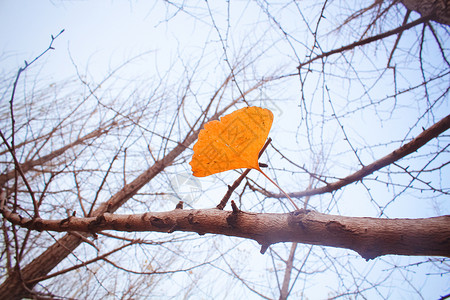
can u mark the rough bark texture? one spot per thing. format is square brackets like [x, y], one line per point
[438, 9]
[370, 237]
[14, 286]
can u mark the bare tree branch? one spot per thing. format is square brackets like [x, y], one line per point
[367, 40]
[427, 236]
[423, 138]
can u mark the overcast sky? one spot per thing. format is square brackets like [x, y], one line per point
[99, 35]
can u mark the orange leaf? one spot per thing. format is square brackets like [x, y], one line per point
[233, 142]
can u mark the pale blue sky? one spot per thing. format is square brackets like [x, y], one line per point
[99, 35]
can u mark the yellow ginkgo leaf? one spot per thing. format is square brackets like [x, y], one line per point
[233, 142]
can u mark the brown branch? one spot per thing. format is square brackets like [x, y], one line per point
[367, 40]
[21, 173]
[83, 264]
[13, 286]
[370, 237]
[29, 165]
[405, 20]
[238, 181]
[284, 293]
[439, 10]
[423, 138]
[28, 64]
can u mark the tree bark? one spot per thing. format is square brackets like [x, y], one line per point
[13, 288]
[439, 10]
[381, 236]
[370, 237]
[16, 287]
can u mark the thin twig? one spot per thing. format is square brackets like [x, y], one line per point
[238, 181]
[405, 20]
[19, 169]
[100, 257]
[11, 148]
[367, 41]
[423, 138]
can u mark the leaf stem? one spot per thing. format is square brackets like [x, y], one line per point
[292, 201]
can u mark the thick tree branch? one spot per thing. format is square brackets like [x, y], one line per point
[439, 10]
[367, 40]
[370, 237]
[13, 286]
[423, 138]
